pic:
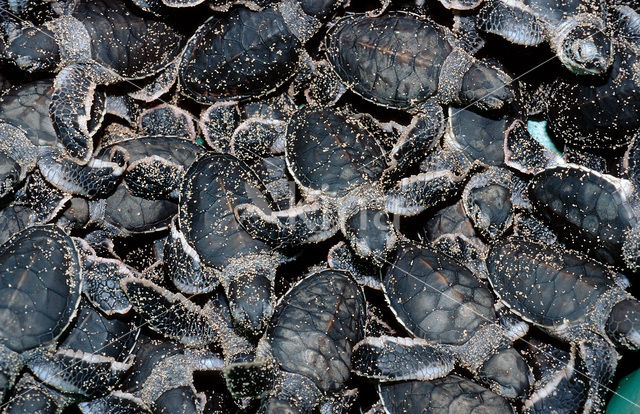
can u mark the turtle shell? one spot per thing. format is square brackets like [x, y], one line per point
[393, 60]
[590, 210]
[27, 107]
[451, 394]
[245, 54]
[479, 137]
[136, 214]
[130, 45]
[326, 153]
[214, 185]
[545, 285]
[40, 287]
[317, 323]
[435, 298]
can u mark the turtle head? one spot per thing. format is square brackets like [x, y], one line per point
[585, 49]
[485, 86]
[10, 174]
[251, 292]
[34, 49]
[369, 229]
[507, 373]
[623, 324]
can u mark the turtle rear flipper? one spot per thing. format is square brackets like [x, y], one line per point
[515, 25]
[170, 314]
[154, 177]
[250, 379]
[341, 258]
[396, 359]
[309, 223]
[94, 179]
[70, 107]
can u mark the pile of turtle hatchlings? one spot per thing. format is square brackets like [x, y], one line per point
[297, 206]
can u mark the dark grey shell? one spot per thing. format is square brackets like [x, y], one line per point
[130, 45]
[243, 54]
[591, 211]
[213, 186]
[136, 214]
[543, 284]
[315, 327]
[27, 107]
[41, 287]
[435, 298]
[451, 394]
[394, 60]
[479, 136]
[603, 114]
[327, 153]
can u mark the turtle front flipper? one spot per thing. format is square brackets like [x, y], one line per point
[394, 359]
[101, 286]
[96, 178]
[600, 359]
[250, 379]
[515, 25]
[154, 177]
[414, 194]
[71, 103]
[417, 139]
[170, 314]
[116, 402]
[310, 223]
[32, 396]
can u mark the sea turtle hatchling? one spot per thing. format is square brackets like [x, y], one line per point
[572, 298]
[450, 316]
[305, 356]
[29, 142]
[98, 42]
[207, 246]
[576, 30]
[338, 165]
[247, 54]
[41, 287]
[451, 394]
[593, 212]
[402, 61]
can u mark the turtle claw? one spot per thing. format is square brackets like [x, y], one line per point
[395, 359]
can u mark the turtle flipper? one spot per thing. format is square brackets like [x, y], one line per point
[101, 285]
[419, 192]
[96, 178]
[154, 177]
[309, 223]
[628, 23]
[394, 359]
[341, 258]
[116, 402]
[160, 84]
[32, 396]
[70, 108]
[76, 371]
[600, 359]
[170, 314]
[465, 29]
[418, 139]
[513, 24]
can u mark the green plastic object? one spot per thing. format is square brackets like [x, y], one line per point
[200, 141]
[626, 400]
[538, 130]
